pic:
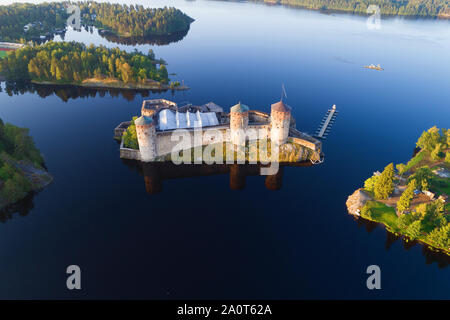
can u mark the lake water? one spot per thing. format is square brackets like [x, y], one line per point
[199, 238]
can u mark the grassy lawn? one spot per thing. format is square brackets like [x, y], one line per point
[414, 162]
[3, 54]
[380, 212]
[442, 185]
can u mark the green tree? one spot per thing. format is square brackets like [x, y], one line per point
[413, 230]
[130, 136]
[432, 214]
[406, 219]
[437, 154]
[370, 183]
[400, 168]
[385, 184]
[126, 72]
[422, 176]
[11, 191]
[440, 236]
[404, 202]
[429, 139]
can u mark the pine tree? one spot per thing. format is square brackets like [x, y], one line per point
[413, 231]
[370, 183]
[404, 202]
[385, 184]
[436, 154]
[429, 139]
[401, 168]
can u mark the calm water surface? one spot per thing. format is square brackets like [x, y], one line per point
[198, 238]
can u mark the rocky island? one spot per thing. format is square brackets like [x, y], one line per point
[412, 199]
[22, 169]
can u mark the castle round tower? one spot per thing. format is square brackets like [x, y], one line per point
[238, 123]
[146, 135]
[280, 118]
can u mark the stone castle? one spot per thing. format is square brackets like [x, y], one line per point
[160, 118]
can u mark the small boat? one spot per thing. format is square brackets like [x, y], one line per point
[374, 67]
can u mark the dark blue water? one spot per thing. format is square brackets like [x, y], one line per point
[200, 239]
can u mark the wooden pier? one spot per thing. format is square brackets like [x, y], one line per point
[327, 123]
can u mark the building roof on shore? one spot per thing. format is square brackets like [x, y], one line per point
[158, 103]
[240, 108]
[213, 107]
[143, 120]
[280, 106]
[169, 120]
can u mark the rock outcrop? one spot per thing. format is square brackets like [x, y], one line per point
[356, 201]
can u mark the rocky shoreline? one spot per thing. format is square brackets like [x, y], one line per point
[96, 84]
[357, 201]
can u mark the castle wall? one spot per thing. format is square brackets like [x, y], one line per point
[308, 144]
[165, 145]
[127, 153]
[258, 116]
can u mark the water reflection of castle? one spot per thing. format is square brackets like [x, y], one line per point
[156, 172]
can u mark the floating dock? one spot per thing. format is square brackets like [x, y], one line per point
[327, 123]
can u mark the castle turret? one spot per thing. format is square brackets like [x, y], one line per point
[146, 135]
[238, 123]
[280, 118]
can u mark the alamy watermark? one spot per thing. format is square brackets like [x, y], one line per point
[374, 280]
[74, 19]
[74, 280]
[226, 146]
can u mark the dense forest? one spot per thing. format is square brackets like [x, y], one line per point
[134, 20]
[45, 18]
[71, 63]
[17, 155]
[424, 8]
[48, 18]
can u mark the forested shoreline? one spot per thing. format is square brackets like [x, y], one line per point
[417, 8]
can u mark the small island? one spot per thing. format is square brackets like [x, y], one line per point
[133, 21]
[412, 199]
[23, 22]
[22, 169]
[72, 63]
